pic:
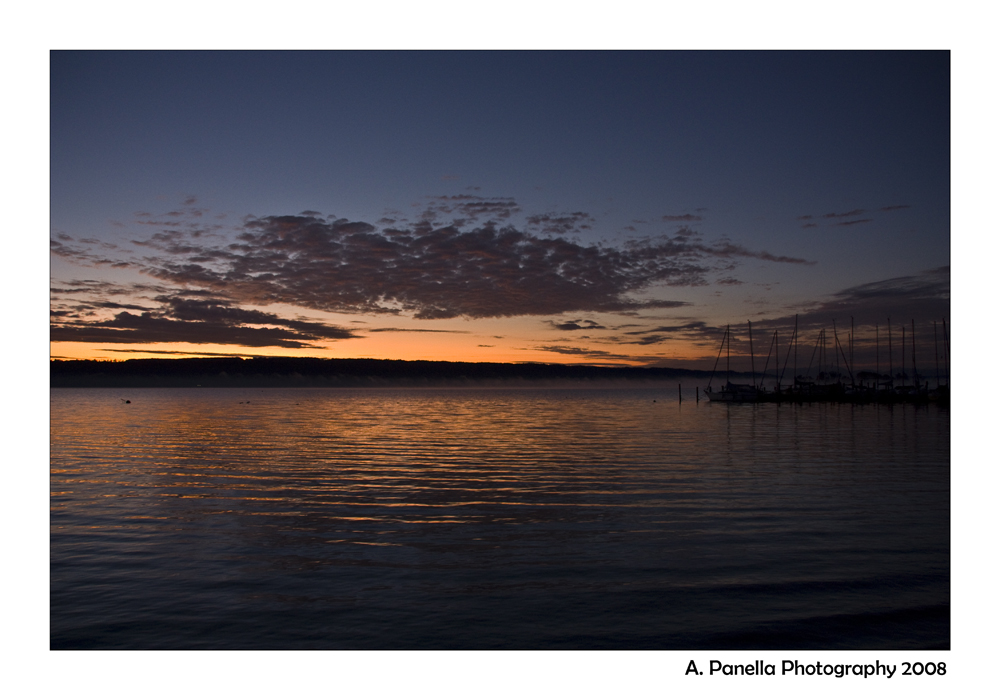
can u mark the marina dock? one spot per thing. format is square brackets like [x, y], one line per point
[838, 380]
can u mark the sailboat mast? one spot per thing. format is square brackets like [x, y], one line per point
[820, 346]
[795, 343]
[850, 360]
[947, 356]
[716, 365]
[788, 353]
[822, 353]
[937, 368]
[903, 328]
[753, 370]
[888, 327]
[777, 381]
[836, 344]
[727, 355]
[850, 344]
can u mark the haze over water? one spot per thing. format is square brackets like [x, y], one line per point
[494, 518]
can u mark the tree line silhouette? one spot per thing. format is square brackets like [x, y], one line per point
[307, 371]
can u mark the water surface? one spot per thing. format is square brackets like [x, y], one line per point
[494, 518]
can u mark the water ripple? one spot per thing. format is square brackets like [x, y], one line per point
[311, 518]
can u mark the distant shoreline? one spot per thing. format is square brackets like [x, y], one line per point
[284, 372]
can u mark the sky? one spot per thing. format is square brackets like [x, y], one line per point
[539, 206]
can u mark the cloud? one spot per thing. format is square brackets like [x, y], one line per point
[853, 212]
[653, 339]
[470, 207]
[429, 272]
[577, 325]
[104, 288]
[410, 330]
[691, 331]
[178, 352]
[584, 352]
[680, 217]
[846, 214]
[179, 319]
[916, 302]
[689, 327]
[561, 224]
[923, 297]
[731, 250]
[926, 295]
[82, 255]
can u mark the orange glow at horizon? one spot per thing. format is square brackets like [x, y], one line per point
[402, 346]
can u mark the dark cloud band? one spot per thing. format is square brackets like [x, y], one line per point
[425, 270]
[433, 273]
[179, 319]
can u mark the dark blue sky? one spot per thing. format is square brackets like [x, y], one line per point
[801, 175]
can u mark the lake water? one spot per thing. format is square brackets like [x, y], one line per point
[494, 519]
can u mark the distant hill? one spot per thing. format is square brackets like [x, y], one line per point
[315, 372]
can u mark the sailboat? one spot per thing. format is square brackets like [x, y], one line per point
[732, 393]
[741, 393]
